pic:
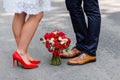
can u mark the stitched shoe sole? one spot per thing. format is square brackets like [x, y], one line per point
[82, 63]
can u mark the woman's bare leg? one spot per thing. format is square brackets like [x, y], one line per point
[27, 34]
[18, 22]
[17, 25]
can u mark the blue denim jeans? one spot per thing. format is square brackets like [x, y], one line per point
[86, 31]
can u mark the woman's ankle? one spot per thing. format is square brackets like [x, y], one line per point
[21, 52]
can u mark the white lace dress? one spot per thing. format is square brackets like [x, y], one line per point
[27, 6]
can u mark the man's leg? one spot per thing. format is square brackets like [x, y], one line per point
[78, 21]
[79, 26]
[91, 8]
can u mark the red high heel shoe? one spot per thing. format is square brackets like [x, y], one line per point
[35, 61]
[17, 57]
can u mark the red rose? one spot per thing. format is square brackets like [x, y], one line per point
[41, 39]
[63, 37]
[50, 50]
[65, 46]
[47, 45]
[51, 35]
[61, 34]
[69, 40]
[46, 36]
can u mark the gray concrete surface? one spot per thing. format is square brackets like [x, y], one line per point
[107, 66]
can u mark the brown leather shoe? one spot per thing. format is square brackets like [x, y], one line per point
[72, 53]
[82, 59]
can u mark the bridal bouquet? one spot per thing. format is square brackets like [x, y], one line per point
[56, 42]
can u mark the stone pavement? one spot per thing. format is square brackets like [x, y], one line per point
[107, 66]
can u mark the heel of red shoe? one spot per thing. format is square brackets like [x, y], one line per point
[13, 62]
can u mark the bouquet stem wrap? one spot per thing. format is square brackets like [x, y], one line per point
[56, 57]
